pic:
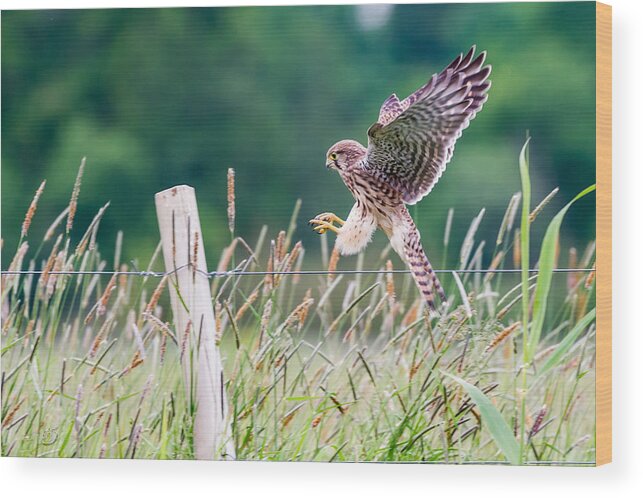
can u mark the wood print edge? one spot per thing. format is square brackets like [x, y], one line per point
[603, 233]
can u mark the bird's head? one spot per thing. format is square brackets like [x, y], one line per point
[345, 155]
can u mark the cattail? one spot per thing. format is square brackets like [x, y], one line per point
[543, 203]
[412, 314]
[52, 228]
[299, 314]
[265, 319]
[151, 305]
[280, 248]
[146, 388]
[246, 305]
[316, 421]
[508, 219]
[218, 312]
[501, 336]
[16, 265]
[55, 276]
[494, 265]
[268, 281]
[28, 332]
[390, 284]
[226, 257]
[79, 399]
[44, 277]
[73, 203]
[195, 253]
[100, 338]
[414, 369]
[537, 423]
[516, 251]
[136, 437]
[136, 361]
[467, 245]
[447, 227]
[104, 299]
[185, 339]
[572, 277]
[332, 264]
[590, 277]
[288, 418]
[231, 207]
[32, 210]
[108, 421]
[163, 347]
[11, 414]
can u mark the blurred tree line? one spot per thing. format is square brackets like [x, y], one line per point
[159, 97]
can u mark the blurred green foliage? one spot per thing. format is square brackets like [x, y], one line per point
[159, 97]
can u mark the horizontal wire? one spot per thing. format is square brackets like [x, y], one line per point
[229, 273]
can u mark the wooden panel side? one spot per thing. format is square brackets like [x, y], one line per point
[603, 233]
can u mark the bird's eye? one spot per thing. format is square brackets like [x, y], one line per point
[333, 157]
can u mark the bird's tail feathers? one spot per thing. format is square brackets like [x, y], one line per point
[423, 274]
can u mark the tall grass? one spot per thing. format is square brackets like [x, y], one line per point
[321, 367]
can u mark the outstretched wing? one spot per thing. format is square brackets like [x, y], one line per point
[413, 140]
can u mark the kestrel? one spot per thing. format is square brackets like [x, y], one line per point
[408, 150]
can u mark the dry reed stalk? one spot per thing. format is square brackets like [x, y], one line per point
[32, 210]
[12, 413]
[501, 336]
[163, 326]
[332, 264]
[246, 305]
[78, 402]
[542, 204]
[73, 203]
[231, 203]
[288, 261]
[316, 421]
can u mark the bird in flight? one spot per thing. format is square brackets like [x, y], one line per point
[408, 150]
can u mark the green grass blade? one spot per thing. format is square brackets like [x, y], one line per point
[568, 342]
[498, 427]
[546, 266]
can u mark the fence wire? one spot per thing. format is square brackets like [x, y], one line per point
[231, 273]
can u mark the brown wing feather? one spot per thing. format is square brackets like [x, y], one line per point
[413, 140]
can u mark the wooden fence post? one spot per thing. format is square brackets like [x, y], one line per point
[191, 300]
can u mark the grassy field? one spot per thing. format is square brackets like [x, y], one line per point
[318, 367]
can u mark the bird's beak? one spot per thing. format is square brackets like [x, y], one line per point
[329, 164]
